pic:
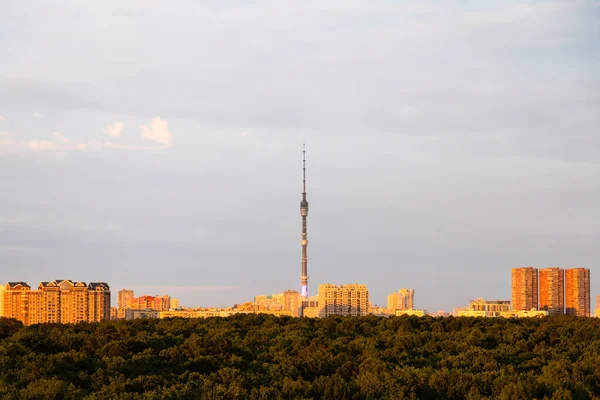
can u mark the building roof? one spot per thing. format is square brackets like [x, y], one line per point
[94, 285]
[12, 285]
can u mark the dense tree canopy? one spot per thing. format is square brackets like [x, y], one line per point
[265, 357]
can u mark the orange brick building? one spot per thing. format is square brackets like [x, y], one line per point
[577, 289]
[524, 288]
[552, 290]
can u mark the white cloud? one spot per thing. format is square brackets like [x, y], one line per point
[157, 132]
[6, 140]
[114, 130]
[59, 137]
[41, 145]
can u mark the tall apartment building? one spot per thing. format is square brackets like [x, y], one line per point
[596, 311]
[343, 300]
[577, 290]
[174, 303]
[403, 299]
[524, 288]
[62, 301]
[123, 298]
[552, 290]
[291, 302]
[16, 301]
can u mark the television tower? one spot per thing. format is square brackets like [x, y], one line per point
[304, 214]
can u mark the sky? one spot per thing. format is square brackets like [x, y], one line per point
[157, 146]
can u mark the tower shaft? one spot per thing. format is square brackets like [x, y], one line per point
[304, 214]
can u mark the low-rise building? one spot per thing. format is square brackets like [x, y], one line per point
[411, 311]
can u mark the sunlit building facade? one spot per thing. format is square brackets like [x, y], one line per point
[350, 299]
[63, 301]
[489, 308]
[524, 288]
[403, 299]
[552, 290]
[124, 298]
[577, 288]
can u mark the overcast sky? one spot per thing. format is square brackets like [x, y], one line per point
[157, 145]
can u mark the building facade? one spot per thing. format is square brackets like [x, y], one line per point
[577, 288]
[525, 288]
[343, 300]
[552, 290]
[58, 301]
[489, 308]
[403, 299]
[123, 301]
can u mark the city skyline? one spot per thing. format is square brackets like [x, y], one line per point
[444, 150]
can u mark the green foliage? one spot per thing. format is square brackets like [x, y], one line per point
[265, 357]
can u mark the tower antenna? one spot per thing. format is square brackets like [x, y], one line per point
[304, 214]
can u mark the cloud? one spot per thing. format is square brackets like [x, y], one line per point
[37, 115]
[42, 145]
[59, 137]
[157, 132]
[114, 130]
[6, 140]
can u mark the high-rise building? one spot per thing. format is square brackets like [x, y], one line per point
[343, 300]
[57, 301]
[403, 299]
[552, 290]
[16, 301]
[174, 304]
[596, 311]
[524, 288]
[124, 296]
[98, 301]
[304, 242]
[291, 302]
[577, 290]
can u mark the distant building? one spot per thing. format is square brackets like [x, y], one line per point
[198, 313]
[596, 312]
[439, 313]
[524, 288]
[16, 301]
[552, 290]
[343, 300]
[291, 302]
[63, 301]
[309, 307]
[577, 290]
[156, 303]
[456, 310]
[472, 313]
[403, 299]
[524, 314]
[174, 303]
[490, 308]
[124, 297]
[411, 311]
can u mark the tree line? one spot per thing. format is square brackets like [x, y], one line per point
[265, 357]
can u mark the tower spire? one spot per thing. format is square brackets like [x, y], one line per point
[304, 214]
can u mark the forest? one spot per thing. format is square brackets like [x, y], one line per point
[266, 357]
